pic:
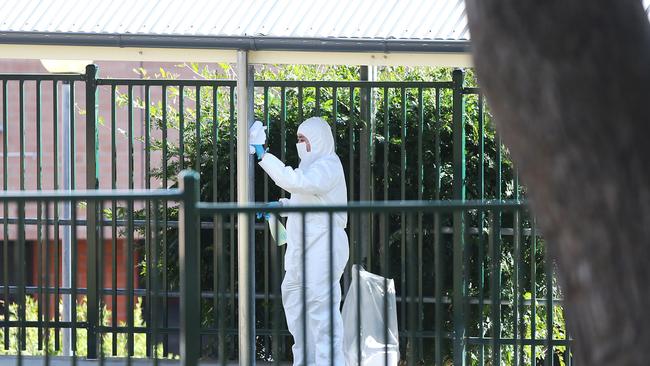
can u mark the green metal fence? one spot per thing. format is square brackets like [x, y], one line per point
[424, 320]
[432, 142]
[89, 296]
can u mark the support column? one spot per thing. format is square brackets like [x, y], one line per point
[245, 195]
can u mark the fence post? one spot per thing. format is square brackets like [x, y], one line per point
[189, 264]
[459, 279]
[92, 301]
[366, 162]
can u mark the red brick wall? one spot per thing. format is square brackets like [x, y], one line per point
[111, 69]
[122, 272]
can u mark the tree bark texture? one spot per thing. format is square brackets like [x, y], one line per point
[569, 85]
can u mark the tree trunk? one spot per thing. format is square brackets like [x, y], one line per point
[569, 85]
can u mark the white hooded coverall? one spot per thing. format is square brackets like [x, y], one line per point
[319, 180]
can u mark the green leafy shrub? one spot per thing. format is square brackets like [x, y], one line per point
[35, 348]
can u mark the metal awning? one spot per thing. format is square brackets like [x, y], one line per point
[274, 31]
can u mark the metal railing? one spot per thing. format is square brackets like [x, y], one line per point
[418, 257]
[432, 142]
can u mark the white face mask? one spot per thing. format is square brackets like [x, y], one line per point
[302, 150]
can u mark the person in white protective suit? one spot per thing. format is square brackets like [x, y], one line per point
[318, 180]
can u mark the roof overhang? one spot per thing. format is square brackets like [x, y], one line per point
[268, 50]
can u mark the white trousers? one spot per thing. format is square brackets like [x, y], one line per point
[318, 344]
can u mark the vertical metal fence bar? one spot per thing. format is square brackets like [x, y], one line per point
[5, 226]
[5, 250]
[385, 220]
[331, 284]
[411, 289]
[21, 133]
[73, 278]
[276, 261]
[533, 289]
[459, 280]
[155, 282]
[519, 288]
[351, 176]
[232, 198]
[403, 264]
[386, 161]
[181, 127]
[197, 167]
[73, 229]
[221, 273]
[318, 111]
[303, 313]
[21, 262]
[371, 173]
[216, 276]
[215, 144]
[217, 233]
[73, 141]
[5, 241]
[46, 282]
[481, 228]
[130, 246]
[281, 343]
[356, 257]
[516, 303]
[164, 254]
[386, 274]
[335, 114]
[197, 130]
[493, 271]
[437, 239]
[495, 251]
[420, 229]
[39, 212]
[55, 209]
[267, 241]
[147, 229]
[283, 127]
[189, 263]
[567, 348]
[100, 281]
[300, 104]
[550, 352]
[114, 308]
[350, 180]
[21, 266]
[365, 162]
[92, 182]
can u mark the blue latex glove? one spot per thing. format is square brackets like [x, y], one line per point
[259, 150]
[267, 215]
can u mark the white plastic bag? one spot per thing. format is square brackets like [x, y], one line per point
[370, 292]
[280, 236]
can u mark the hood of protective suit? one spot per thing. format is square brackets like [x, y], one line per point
[319, 134]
